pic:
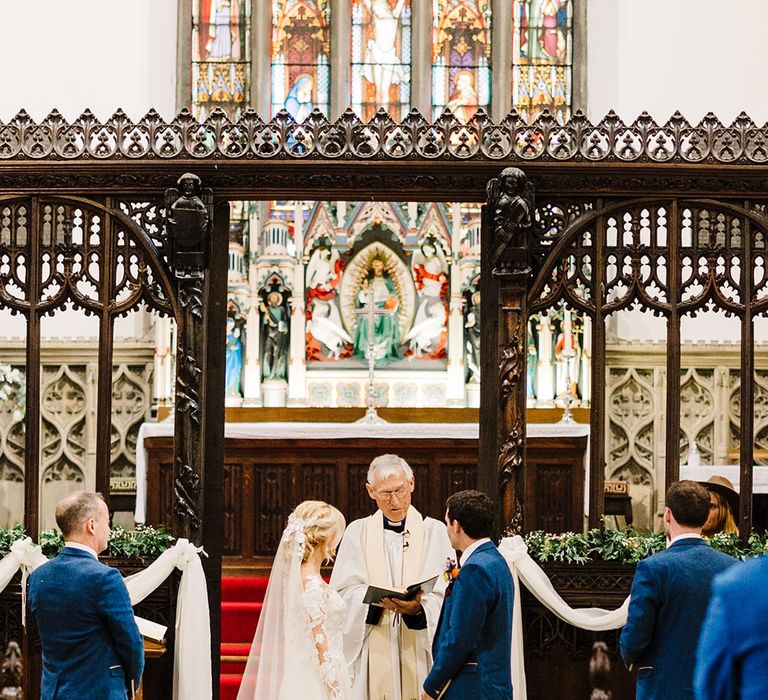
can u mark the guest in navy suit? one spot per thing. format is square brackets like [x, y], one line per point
[473, 639]
[732, 660]
[669, 598]
[92, 649]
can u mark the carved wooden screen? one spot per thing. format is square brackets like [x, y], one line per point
[675, 258]
[58, 253]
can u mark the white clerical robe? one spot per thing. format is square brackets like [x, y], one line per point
[352, 575]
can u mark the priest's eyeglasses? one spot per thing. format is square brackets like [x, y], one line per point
[389, 495]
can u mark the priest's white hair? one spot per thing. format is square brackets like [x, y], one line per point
[387, 465]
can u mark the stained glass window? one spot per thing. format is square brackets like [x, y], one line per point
[301, 75]
[542, 57]
[220, 56]
[461, 57]
[381, 57]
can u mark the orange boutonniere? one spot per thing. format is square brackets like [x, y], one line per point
[451, 571]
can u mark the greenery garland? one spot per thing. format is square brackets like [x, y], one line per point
[626, 546]
[143, 542]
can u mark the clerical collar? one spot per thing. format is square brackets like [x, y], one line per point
[395, 527]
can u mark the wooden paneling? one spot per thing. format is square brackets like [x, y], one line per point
[265, 479]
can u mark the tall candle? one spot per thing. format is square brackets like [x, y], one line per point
[567, 330]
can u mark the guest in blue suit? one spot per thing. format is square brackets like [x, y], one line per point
[732, 660]
[473, 639]
[669, 598]
[92, 649]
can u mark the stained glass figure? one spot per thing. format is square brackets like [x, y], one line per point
[381, 57]
[461, 57]
[220, 56]
[542, 58]
[301, 74]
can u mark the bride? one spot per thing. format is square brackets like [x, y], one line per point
[297, 651]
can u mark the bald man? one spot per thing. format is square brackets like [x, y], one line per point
[91, 646]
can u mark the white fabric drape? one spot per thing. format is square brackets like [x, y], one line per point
[24, 555]
[192, 657]
[523, 568]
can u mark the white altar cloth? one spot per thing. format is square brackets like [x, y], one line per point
[332, 431]
[730, 472]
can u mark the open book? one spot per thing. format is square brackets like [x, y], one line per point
[374, 594]
[150, 630]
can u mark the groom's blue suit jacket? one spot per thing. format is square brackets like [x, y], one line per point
[474, 634]
[668, 601]
[92, 649]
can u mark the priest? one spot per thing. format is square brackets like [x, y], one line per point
[389, 648]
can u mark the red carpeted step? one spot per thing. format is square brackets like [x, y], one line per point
[238, 621]
[245, 589]
[230, 684]
[242, 600]
[235, 649]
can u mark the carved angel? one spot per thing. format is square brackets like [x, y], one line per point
[511, 200]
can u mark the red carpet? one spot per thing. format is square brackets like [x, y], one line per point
[241, 600]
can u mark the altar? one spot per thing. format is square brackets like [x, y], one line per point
[270, 467]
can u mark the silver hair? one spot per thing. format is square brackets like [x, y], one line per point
[387, 465]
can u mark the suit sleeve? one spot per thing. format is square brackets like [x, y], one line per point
[115, 606]
[644, 605]
[471, 594]
[713, 676]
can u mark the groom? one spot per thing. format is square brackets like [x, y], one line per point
[474, 635]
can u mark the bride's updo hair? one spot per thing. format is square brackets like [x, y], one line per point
[324, 527]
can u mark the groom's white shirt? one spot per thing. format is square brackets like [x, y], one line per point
[83, 547]
[467, 553]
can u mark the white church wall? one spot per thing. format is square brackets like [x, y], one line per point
[694, 56]
[100, 54]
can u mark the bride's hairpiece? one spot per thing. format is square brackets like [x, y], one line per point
[297, 531]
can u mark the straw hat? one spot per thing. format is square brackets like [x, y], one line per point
[725, 488]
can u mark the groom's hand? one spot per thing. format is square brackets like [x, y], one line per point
[404, 607]
[425, 695]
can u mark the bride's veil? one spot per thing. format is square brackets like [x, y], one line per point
[279, 645]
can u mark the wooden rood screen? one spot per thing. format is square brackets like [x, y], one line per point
[604, 216]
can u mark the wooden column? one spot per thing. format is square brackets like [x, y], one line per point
[598, 381]
[213, 389]
[32, 378]
[106, 349]
[505, 277]
[747, 394]
[672, 440]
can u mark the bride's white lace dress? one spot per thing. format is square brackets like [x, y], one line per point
[325, 674]
[297, 651]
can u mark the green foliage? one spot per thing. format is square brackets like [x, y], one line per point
[51, 541]
[144, 541]
[8, 536]
[627, 546]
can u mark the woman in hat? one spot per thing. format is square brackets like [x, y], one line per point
[724, 502]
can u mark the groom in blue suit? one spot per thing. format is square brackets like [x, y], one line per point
[669, 598]
[92, 649]
[473, 639]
